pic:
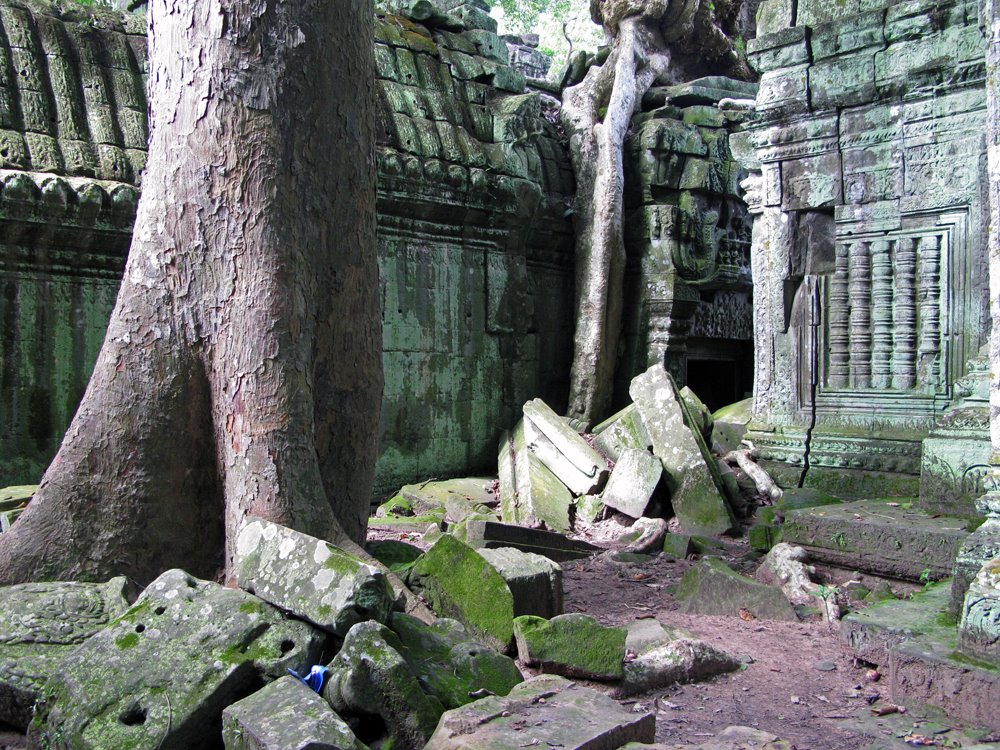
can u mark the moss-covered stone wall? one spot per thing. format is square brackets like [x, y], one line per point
[474, 241]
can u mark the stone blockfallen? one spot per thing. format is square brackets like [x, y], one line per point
[546, 711]
[713, 588]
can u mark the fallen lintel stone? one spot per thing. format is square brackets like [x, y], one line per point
[713, 588]
[534, 581]
[285, 715]
[695, 493]
[547, 712]
[490, 534]
[529, 491]
[633, 482]
[159, 677]
[577, 481]
[574, 645]
[39, 624]
[589, 470]
[309, 577]
[456, 581]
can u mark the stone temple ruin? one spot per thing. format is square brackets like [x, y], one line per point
[808, 253]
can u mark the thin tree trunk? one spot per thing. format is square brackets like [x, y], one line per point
[241, 372]
[596, 113]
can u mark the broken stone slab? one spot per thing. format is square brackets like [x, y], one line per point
[588, 508]
[529, 492]
[455, 498]
[625, 430]
[646, 535]
[695, 494]
[713, 588]
[396, 555]
[556, 547]
[370, 677]
[573, 450]
[575, 645]
[702, 417]
[678, 546]
[534, 581]
[979, 629]
[730, 425]
[552, 458]
[309, 577]
[159, 677]
[39, 624]
[285, 715]
[449, 663]
[632, 482]
[457, 582]
[658, 656]
[547, 711]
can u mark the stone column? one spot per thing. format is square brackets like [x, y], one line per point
[984, 543]
[774, 376]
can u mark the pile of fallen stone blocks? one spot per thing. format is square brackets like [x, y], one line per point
[312, 649]
[652, 458]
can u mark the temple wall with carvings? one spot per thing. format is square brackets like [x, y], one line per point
[870, 278]
[474, 241]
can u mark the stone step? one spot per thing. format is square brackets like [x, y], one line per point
[885, 538]
[915, 641]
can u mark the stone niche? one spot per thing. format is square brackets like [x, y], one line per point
[688, 289]
[473, 191]
[869, 264]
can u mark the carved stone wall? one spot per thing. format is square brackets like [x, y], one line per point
[687, 236]
[870, 270]
[473, 187]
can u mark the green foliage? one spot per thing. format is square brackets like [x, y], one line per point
[522, 15]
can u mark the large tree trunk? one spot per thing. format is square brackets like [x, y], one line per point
[665, 40]
[241, 372]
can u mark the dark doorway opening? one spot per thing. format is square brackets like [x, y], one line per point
[720, 371]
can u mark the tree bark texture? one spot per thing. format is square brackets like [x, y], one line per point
[651, 40]
[241, 372]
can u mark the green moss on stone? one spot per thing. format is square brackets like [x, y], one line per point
[127, 640]
[574, 644]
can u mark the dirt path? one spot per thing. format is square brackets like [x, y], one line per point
[799, 682]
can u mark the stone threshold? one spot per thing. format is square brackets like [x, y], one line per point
[915, 642]
[882, 537]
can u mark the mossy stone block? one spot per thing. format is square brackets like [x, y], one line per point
[160, 676]
[458, 582]
[397, 556]
[677, 546]
[574, 645]
[713, 588]
[285, 715]
[309, 577]
[450, 663]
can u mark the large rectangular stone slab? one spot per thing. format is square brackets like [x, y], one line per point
[159, 677]
[556, 547]
[875, 537]
[309, 577]
[695, 494]
[534, 581]
[563, 451]
[632, 482]
[545, 711]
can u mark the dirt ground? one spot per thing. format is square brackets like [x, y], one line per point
[799, 683]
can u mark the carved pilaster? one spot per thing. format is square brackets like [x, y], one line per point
[840, 319]
[929, 297]
[881, 315]
[860, 294]
[904, 355]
